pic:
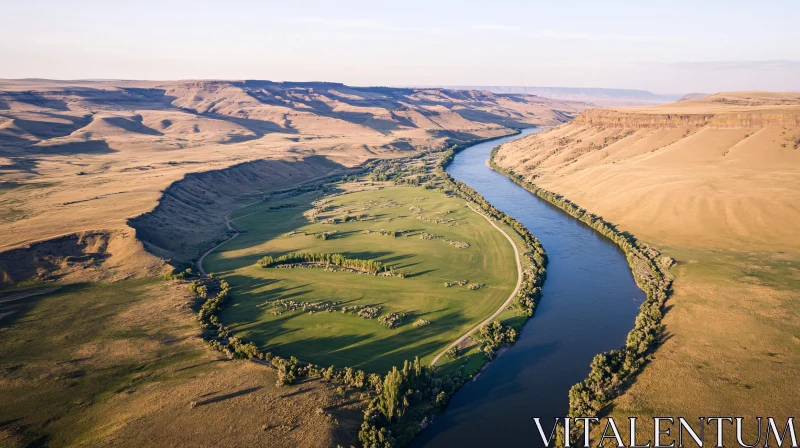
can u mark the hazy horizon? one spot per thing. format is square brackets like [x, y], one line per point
[680, 48]
[311, 81]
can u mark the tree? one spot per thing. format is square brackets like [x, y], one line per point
[391, 398]
[286, 375]
[452, 353]
[441, 400]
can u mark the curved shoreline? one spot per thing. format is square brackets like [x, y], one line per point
[475, 202]
[650, 270]
[585, 309]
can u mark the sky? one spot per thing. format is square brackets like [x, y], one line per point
[662, 46]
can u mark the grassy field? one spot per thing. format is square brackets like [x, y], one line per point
[344, 339]
[733, 325]
[120, 364]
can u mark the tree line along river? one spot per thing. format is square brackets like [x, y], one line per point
[589, 304]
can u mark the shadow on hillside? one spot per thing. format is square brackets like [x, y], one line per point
[132, 125]
[49, 129]
[34, 99]
[258, 127]
[291, 99]
[194, 205]
[72, 148]
[487, 117]
[238, 393]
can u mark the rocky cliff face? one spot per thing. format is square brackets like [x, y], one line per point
[610, 118]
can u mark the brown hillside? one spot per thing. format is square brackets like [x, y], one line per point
[724, 174]
[78, 155]
[100, 182]
[715, 184]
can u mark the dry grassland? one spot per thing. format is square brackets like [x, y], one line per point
[122, 364]
[714, 183]
[78, 156]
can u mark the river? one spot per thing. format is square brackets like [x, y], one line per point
[589, 304]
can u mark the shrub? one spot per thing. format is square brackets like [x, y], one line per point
[391, 320]
[496, 334]
[183, 275]
[441, 399]
[452, 353]
[286, 375]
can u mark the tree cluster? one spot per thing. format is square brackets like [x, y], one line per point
[208, 311]
[183, 275]
[216, 334]
[459, 283]
[325, 235]
[199, 288]
[452, 353]
[392, 233]
[406, 396]
[529, 292]
[392, 319]
[368, 312]
[369, 266]
[493, 335]
[458, 244]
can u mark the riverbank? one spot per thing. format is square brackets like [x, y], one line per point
[611, 372]
[523, 296]
[588, 304]
[717, 193]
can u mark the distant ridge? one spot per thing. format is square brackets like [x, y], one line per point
[694, 96]
[598, 96]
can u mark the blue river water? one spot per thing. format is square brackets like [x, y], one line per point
[589, 304]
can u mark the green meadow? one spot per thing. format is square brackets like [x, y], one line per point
[70, 351]
[353, 223]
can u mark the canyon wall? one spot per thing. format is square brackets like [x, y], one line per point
[622, 119]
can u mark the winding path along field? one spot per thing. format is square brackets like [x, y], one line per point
[228, 222]
[230, 227]
[503, 306]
